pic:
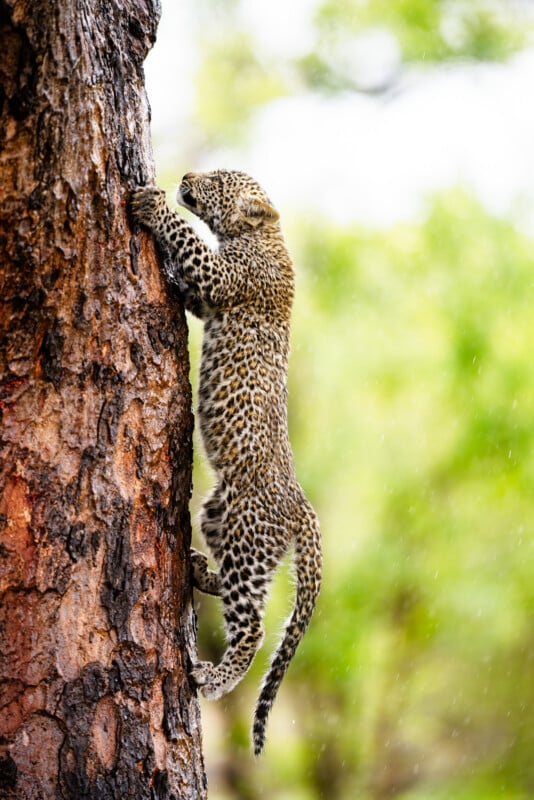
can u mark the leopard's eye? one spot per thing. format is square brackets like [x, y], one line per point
[215, 176]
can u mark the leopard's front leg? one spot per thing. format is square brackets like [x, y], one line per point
[201, 275]
[149, 208]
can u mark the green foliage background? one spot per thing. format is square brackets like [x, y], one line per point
[412, 421]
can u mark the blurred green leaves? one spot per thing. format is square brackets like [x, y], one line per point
[232, 83]
[417, 443]
[428, 30]
[420, 32]
[358, 45]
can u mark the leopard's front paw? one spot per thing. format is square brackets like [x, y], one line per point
[147, 204]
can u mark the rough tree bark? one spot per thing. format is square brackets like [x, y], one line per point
[96, 625]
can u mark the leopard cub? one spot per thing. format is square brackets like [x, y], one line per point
[257, 510]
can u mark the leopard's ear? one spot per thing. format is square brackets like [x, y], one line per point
[257, 211]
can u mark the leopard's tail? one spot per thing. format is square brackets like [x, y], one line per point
[308, 564]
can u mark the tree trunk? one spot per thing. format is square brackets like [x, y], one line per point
[96, 624]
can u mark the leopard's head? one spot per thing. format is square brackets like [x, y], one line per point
[228, 202]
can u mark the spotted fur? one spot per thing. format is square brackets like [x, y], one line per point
[257, 510]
